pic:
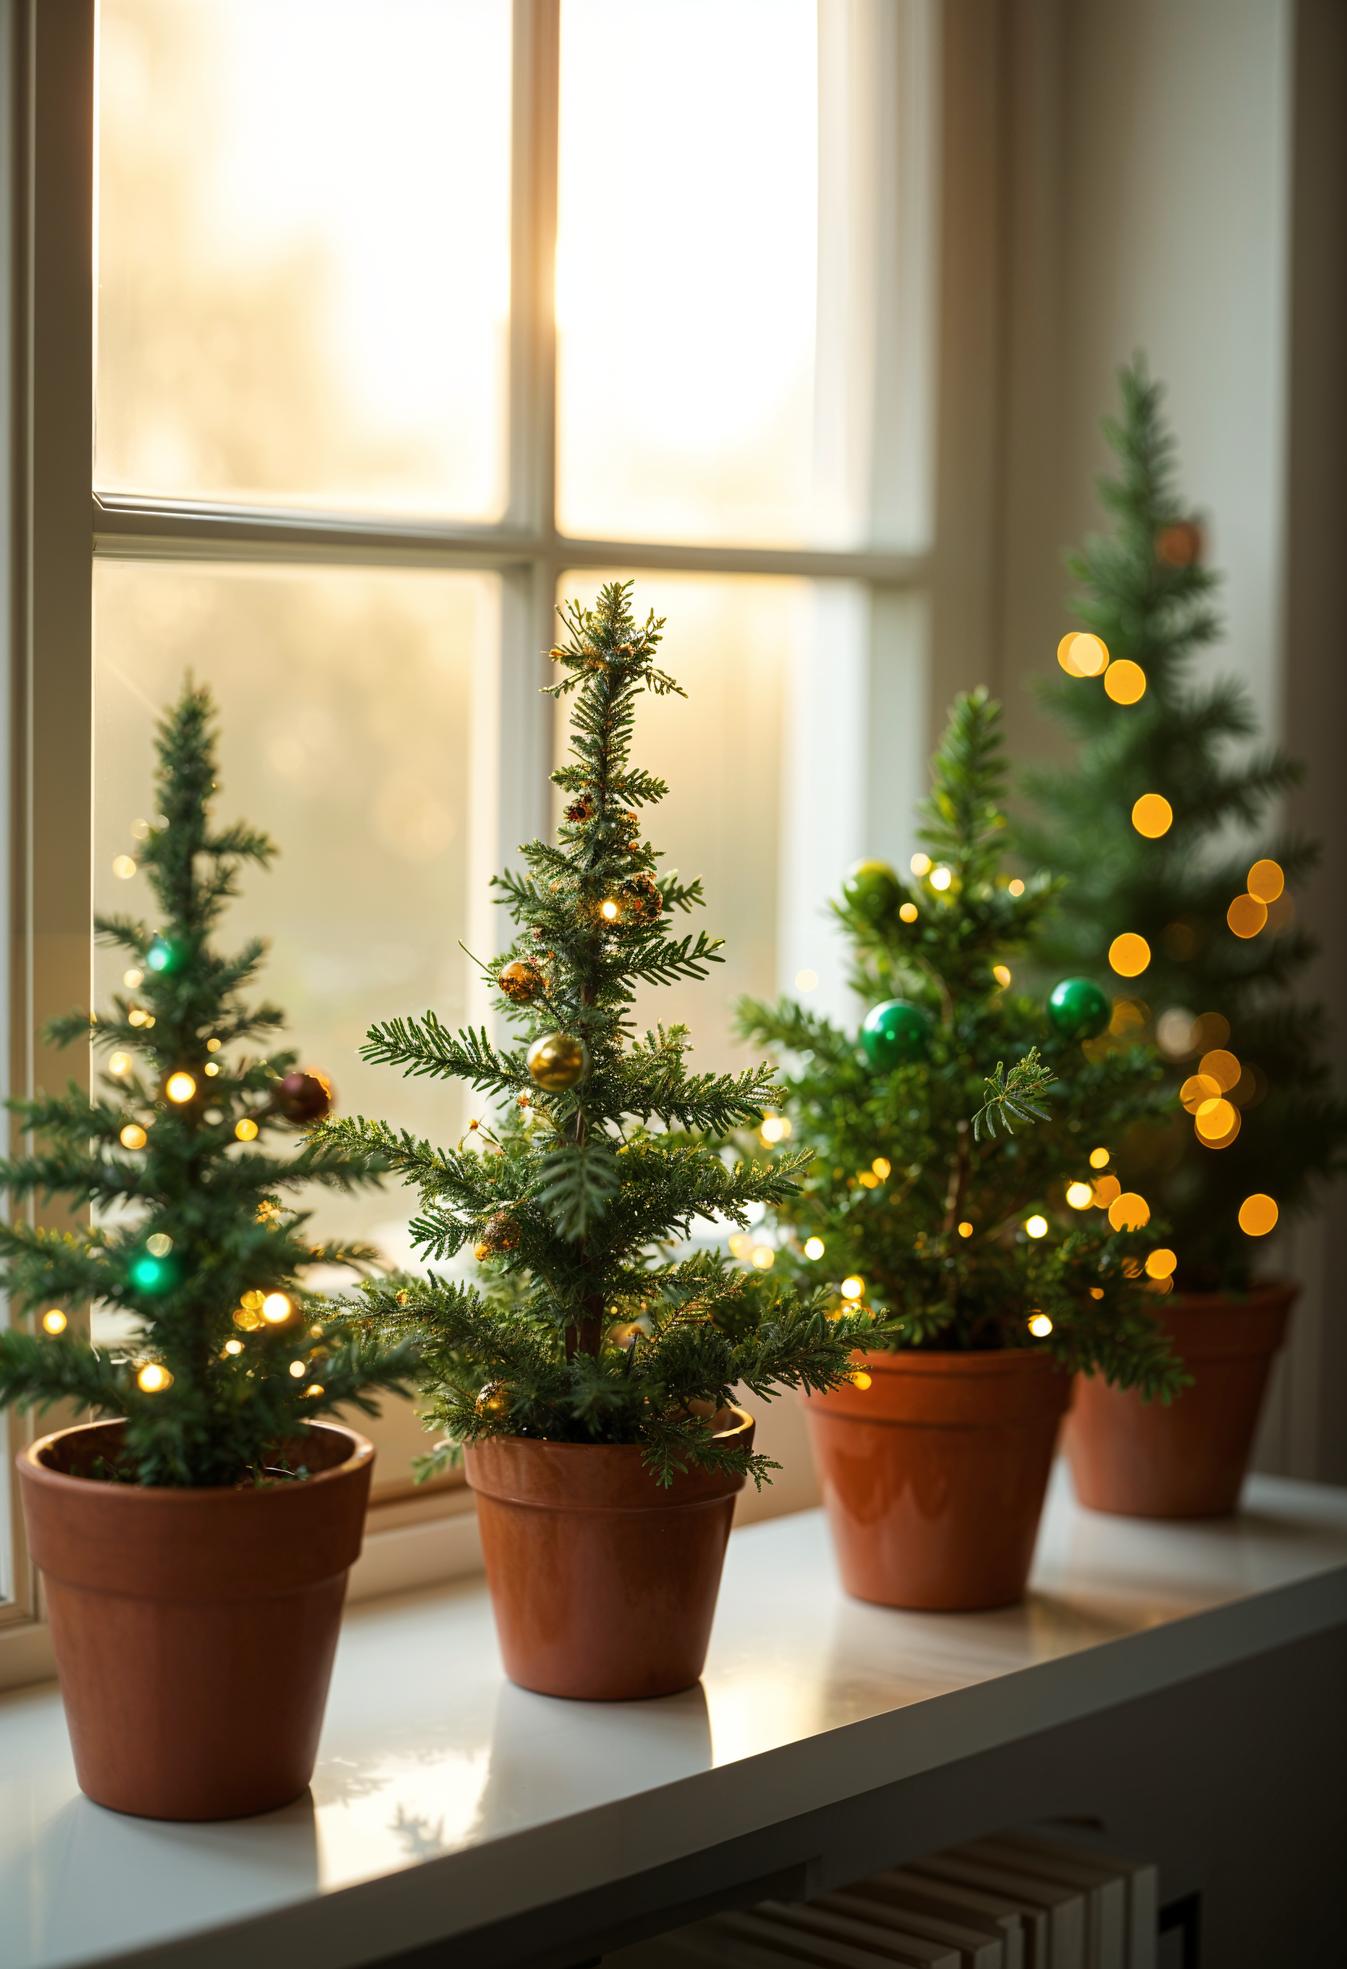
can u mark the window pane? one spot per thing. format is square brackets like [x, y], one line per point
[304, 243]
[686, 268]
[347, 700]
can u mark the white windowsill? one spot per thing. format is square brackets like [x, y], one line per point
[446, 1798]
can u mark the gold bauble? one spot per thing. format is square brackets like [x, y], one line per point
[493, 1399]
[557, 1061]
[521, 981]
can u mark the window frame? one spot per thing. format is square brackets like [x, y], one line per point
[951, 188]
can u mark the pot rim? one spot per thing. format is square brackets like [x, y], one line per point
[931, 1360]
[744, 1422]
[34, 1471]
[1260, 1294]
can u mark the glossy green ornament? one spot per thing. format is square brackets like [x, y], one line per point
[163, 955]
[872, 889]
[896, 1033]
[1079, 1009]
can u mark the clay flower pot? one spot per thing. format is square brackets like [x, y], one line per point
[933, 1476]
[603, 1583]
[1186, 1459]
[194, 1630]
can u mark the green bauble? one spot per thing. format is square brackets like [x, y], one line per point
[1079, 1009]
[895, 1033]
[872, 889]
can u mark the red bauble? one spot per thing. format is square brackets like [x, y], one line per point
[303, 1096]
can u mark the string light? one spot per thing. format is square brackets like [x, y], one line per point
[1129, 954]
[1152, 815]
[1125, 681]
[882, 1167]
[920, 864]
[965, 1229]
[1129, 1211]
[1099, 1158]
[180, 1087]
[1217, 1123]
[941, 878]
[609, 910]
[149, 1273]
[1037, 1225]
[852, 1288]
[1197, 1089]
[298, 1370]
[1040, 1325]
[1258, 1214]
[213, 1045]
[806, 980]
[123, 867]
[1096, 1291]
[775, 1128]
[1161, 1263]
[1221, 1067]
[119, 1063]
[1106, 1190]
[1015, 886]
[860, 1379]
[160, 1244]
[54, 1320]
[740, 1244]
[314, 1389]
[908, 912]
[867, 1179]
[134, 978]
[763, 1257]
[140, 830]
[245, 1130]
[1080, 1195]
[246, 1317]
[211, 1068]
[1002, 974]
[814, 1247]
[1246, 916]
[1082, 654]
[133, 1136]
[233, 1347]
[1266, 880]
[137, 1016]
[153, 1378]
[276, 1307]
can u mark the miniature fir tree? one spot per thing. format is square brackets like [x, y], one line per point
[177, 1152]
[595, 1321]
[1177, 879]
[1010, 1228]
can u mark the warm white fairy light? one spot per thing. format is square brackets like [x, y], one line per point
[153, 1378]
[276, 1307]
[54, 1320]
[814, 1247]
[1040, 1325]
[180, 1087]
[1037, 1225]
[852, 1287]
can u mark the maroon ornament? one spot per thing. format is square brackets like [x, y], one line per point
[303, 1097]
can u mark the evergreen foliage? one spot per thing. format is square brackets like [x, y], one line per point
[909, 1204]
[593, 1321]
[190, 1235]
[1251, 1112]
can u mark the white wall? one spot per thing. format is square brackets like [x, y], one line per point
[1160, 159]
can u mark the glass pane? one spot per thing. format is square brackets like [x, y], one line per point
[686, 269]
[751, 654]
[347, 700]
[303, 252]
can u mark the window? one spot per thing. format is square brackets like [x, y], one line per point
[405, 318]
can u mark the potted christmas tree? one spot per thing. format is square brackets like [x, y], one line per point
[195, 1543]
[1150, 823]
[591, 1374]
[984, 1217]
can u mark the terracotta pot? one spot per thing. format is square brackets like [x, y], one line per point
[1187, 1458]
[603, 1584]
[194, 1630]
[933, 1476]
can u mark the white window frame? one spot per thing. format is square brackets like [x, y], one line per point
[954, 178]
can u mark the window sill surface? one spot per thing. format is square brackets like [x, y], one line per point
[446, 1800]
